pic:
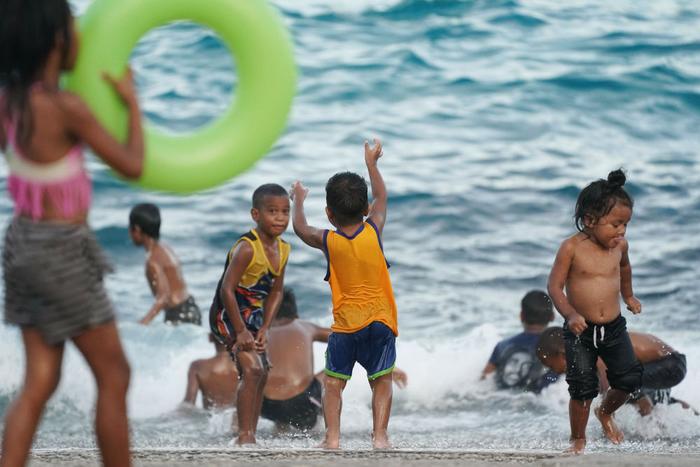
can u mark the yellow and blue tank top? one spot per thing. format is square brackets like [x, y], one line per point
[358, 274]
[256, 282]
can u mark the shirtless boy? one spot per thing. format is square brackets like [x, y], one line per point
[163, 271]
[594, 268]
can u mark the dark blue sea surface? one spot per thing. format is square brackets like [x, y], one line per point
[494, 114]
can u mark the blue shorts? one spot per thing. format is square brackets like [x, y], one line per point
[373, 347]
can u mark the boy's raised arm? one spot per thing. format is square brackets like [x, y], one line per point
[377, 212]
[312, 236]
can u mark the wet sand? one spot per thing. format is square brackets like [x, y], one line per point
[366, 458]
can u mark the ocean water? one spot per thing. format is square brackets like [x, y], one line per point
[494, 114]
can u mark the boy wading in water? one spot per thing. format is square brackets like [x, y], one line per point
[364, 312]
[163, 271]
[594, 267]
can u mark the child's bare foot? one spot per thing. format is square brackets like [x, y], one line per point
[245, 439]
[329, 444]
[577, 446]
[612, 432]
[381, 441]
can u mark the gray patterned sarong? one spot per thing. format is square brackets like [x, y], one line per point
[53, 279]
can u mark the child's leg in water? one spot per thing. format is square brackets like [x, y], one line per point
[332, 406]
[252, 375]
[103, 352]
[578, 418]
[43, 372]
[382, 393]
[613, 400]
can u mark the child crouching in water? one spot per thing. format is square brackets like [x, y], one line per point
[364, 312]
[594, 267]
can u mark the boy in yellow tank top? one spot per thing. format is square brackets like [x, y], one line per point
[247, 298]
[364, 312]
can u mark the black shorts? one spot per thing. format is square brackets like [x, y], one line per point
[660, 376]
[612, 344]
[185, 312]
[300, 411]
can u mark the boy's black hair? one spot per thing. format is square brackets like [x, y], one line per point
[551, 342]
[346, 197]
[147, 217]
[599, 197]
[537, 308]
[288, 307]
[268, 189]
[28, 33]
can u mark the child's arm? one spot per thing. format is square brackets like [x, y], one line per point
[631, 301]
[321, 334]
[271, 305]
[308, 234]
[377, 211]
[555, 286]
[126, 159]
[488, 369]
[400, 378]
[159, 285]
[491, 364]
[240, 259]
[192, 384]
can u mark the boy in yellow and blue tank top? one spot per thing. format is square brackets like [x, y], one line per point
[247, 298]
[364, 311]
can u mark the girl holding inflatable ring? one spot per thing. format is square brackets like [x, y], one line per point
[52, 264]
[265, 88]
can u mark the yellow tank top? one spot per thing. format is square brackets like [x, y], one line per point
[359, 278]
[257, 280]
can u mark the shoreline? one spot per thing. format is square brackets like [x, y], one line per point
[216, 457]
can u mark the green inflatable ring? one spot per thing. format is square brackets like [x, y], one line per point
[252, 123]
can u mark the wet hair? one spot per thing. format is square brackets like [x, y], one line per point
[147, 217]
[28, 33]
[346, 197]
[288, 307]
[551, 342]
[268, 189]
[599, 197]
[537, 308]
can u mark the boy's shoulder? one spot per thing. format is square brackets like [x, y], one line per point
[571, 243]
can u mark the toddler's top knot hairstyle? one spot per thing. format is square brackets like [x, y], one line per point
[599, 197]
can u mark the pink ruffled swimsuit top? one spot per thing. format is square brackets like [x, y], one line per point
[64, 183]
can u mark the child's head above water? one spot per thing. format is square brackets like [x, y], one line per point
[288, 307]
[144, 219]
[346, 199]
[550, 349]
[536, 308]
[271, 209]
[599, 198]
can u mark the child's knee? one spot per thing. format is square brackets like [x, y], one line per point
[253, 373]
[333, 385]
[583, 386]
[117, 377]
[39, 387]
